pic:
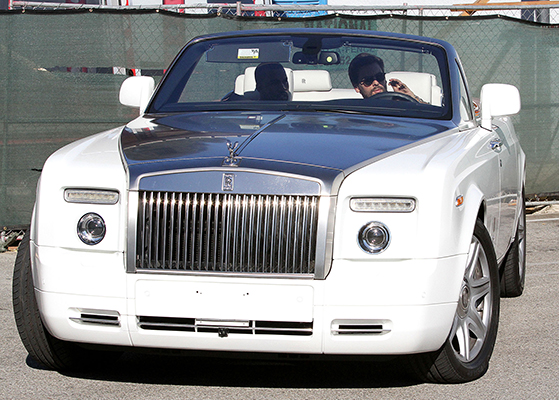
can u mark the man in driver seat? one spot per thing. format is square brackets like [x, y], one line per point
[366, 72]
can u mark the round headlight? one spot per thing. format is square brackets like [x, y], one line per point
[91, 228]
[374, 237]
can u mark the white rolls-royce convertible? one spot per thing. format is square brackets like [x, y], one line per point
[296, 191]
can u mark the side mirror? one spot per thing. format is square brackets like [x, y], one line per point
[136, 91]
[498, 100]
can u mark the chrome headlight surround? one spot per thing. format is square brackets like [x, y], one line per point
[374, 237]
[91, 229]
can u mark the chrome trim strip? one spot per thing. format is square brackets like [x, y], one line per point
[133, 201]
[246, 182]
[226, 274]
[325, 236]
[96, 321]
[360, 331]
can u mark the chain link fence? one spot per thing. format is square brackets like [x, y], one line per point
[62, 69]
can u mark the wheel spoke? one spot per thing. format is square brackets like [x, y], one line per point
[480, 288]
[472, 260]
[470, 326]
[476, 324]
[461, 337]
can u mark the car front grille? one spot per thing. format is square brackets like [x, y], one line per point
[226, 233]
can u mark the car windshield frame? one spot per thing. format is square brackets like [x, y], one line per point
[300, 50]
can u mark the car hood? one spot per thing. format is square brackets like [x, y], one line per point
[325, 146]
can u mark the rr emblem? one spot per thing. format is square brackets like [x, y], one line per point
[228, 182]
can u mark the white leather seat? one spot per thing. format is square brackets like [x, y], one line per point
[316, 85]
[304, 85]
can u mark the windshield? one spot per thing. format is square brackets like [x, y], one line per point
[308, 72]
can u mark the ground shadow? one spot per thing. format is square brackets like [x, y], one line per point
[228, 372]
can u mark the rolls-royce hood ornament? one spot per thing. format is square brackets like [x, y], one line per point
[232, 160]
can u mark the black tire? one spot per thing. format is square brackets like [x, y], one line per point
[44, 348]
[513, 272]
[465, 355]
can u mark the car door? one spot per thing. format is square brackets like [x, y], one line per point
[506, 148]
[488, 152]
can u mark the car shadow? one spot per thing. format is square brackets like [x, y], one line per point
[230, 372]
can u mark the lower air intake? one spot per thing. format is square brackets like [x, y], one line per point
[361, 327]
[230, 327]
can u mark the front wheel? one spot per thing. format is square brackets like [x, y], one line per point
[465, 355]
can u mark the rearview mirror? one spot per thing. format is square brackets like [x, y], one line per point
[322, 58]
[498, 100]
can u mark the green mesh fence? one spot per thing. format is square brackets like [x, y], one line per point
[58, 83]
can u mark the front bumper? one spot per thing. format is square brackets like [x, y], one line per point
[362, 308]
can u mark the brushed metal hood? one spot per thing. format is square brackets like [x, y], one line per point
[323, 146]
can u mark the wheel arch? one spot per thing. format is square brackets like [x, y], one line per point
[473, 208]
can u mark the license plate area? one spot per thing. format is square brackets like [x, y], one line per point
[225, 304]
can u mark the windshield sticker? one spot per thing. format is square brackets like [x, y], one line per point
[248, 54]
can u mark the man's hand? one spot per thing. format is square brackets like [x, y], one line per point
[401, 87]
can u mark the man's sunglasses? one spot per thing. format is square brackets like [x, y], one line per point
[368, 80]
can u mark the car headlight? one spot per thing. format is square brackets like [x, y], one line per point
[91, 228]
[382, 204]
[374, 237]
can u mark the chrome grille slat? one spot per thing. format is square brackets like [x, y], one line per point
[186, 228]
[179, 230]
[227, 233]
[164, 231]
[192, 227]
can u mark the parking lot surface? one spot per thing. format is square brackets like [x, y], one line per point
[523, 366]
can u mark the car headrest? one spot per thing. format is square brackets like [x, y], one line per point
[249, 81]
[309, 80]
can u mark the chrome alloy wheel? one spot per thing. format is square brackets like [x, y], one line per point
[475, 306]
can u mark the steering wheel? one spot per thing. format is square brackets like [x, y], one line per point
[394, 96]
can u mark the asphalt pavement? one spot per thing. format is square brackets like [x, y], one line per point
[523, 366]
